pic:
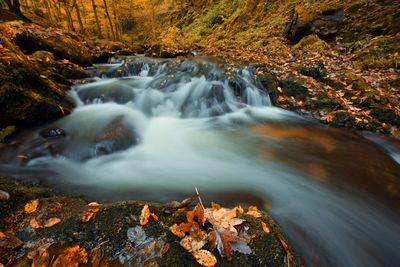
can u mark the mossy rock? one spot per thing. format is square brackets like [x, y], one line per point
[6, 132]
[54, 41]
[381, 52]
[385, 114]
[311, 43]
[315, 72]
[343, 118]
[270, 85]
[114, 229]
[294, 87]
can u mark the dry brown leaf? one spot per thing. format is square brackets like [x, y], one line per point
[2, 236]
[205, 258]
[51, 222]
[221, 239]
[253, 211]
[96, 255]
[154, 216]
[176, 230]
[192, 244]
[93, 208]
[35, 224]
[173, 206]
[71, 257]
[240, 209]
[265, 227]
[31, 206]
[145, 215]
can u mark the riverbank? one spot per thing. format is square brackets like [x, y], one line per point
[313, 78]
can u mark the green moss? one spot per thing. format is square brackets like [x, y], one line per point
[294, 87]
[311, 43]
[270, 85]
[5, 133]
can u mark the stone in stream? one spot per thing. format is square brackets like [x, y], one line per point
[115, 137]
[110, 234]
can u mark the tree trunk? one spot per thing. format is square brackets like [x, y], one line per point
[109, 19]
[78, 14]
[117, 29]
[50, 13]
[69, 17]
[97, 19]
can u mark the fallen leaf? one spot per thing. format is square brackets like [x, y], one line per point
[71, 257]
[192, 244]
[96, 255]
[145, 215]
[93, 208]
[35, 224]
[176, 230]
[31, 206]
[173, 206]
[253, 211]
[51, 222]
[205, 258]
[221, 239]
[241, 247]
[2, 236]
[154, 216]
[265, 227]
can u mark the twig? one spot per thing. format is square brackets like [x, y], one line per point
[198, 195]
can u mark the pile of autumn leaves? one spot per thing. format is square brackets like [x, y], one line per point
[226, 232]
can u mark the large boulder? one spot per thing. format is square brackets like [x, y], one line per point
[27, 98]
[326, 25]
[42, 227]
[64, 46]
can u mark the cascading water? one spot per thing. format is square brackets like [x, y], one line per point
[166, 127]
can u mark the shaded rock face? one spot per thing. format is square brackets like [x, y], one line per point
[61, 45]
[28, 98]
[325, 26]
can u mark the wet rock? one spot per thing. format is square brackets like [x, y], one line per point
[270, 85]
[385, 114]
[326, 25]
[159, 51]
[294, 87]
[101, 57]
[52, 133]
[115, 137]
[118, 94]
[126, 52]
[113, 236]
[73, 72]
[315, 72]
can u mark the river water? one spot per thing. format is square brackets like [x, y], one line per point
[164, 128]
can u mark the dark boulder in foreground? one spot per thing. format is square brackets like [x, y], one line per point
[43, 228]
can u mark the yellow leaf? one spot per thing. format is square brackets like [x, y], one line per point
[205, 258]
[2, 236]
[35, 224]
[31, 206]
[265, 227]
[253, 211]
[51, 222]
[176, 230]
[93, 208]
[145, 215]
[71, 257]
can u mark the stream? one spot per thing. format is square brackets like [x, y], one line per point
[154, 130]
